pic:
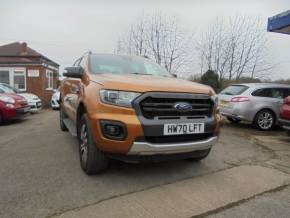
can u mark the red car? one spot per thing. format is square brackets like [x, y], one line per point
[285, 115]
[12, 106]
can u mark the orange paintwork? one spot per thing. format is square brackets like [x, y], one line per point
[90, 86]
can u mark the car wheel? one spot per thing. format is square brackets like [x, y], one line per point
[92, 159]
[233, 120]
[62, 116]
[203, 156]
[265, 120]
[1, 118]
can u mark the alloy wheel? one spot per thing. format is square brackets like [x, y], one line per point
[84, 144]
[265, 120]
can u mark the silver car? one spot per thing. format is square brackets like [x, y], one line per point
[258, 103]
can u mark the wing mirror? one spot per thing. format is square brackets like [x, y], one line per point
[74, 72]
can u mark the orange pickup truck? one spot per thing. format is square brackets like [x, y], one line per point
[131, 109]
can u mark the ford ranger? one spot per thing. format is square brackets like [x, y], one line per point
[131, 109]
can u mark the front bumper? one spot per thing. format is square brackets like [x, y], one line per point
[284, 123]
[147, 148]
[35, 106]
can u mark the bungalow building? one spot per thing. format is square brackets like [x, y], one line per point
[28, 70]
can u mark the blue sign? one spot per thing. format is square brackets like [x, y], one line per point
[279, 23]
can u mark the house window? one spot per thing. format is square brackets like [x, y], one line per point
[19, 80]
[4, 76]
[49, 79]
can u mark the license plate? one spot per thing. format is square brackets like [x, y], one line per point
[183, 128]
[224, 104]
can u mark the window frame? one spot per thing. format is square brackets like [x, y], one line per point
[23, 72]
[49, 78]
[12, 71]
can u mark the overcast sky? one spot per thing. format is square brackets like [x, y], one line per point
[64, 30]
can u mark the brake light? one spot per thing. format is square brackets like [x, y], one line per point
[240, 99]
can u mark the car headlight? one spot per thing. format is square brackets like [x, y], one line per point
[119, 98]
[7, 100]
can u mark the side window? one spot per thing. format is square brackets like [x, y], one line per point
[286, 93]
[266, 92]
[277, 93]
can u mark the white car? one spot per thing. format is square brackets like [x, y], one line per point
[33, 101]
[55, 100]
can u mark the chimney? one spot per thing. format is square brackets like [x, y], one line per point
[23, 48]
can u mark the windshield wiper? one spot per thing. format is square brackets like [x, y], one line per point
[141, 73]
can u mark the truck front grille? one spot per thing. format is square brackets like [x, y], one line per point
[163, 108]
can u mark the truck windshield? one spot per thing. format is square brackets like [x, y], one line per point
[234, 90]
[105, 63]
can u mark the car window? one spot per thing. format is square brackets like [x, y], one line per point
[1, 91]
[286, 92]
[265, 92]
[277, 93]
[234, 90]
[101, 63]
[269, 93]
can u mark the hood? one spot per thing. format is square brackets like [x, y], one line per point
[14, 96]
[147, 83]
[28, 96]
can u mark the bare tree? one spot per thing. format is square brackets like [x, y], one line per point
[160, 38]
[234, 48]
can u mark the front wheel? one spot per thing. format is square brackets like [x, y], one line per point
[1, 118]
[62, 116]
[92, 159]
[265, 120]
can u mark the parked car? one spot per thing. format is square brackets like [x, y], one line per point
[33, 100]
[12, 106]
[132, 109]
[285, 115]
[55, 99]
[258, 103]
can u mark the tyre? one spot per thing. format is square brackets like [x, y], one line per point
[1, 119]
[264, 120]
[196, 159]
[92, 159]
[233, 120]
[62, 116]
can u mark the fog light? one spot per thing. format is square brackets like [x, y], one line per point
[114, 130]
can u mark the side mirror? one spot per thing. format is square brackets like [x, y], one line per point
[74, 72]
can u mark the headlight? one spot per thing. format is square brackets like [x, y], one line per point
[119, 98]
[7, 100]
